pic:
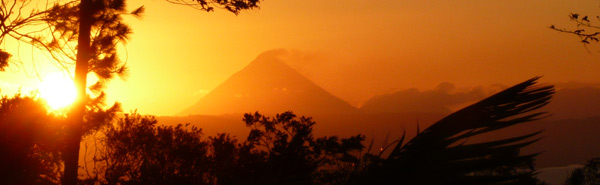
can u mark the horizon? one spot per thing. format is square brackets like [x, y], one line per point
[299, 92]
[32, 85]
[375, 47]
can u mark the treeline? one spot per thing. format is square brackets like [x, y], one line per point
[279, 150]
[135, 149]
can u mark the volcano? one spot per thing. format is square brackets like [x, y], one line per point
[268, 85]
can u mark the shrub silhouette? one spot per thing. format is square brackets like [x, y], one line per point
[30, 142]
[135, 150]
[294, 156]
[279, 150]
[587, 175]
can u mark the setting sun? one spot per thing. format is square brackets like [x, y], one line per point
[58, 90]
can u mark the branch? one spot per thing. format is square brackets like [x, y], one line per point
[233, 6]
[586, 31]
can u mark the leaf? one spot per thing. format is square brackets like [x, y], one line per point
[138, 12]
[574, 16]
[4, 57]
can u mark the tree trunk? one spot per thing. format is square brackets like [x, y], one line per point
[74, 132]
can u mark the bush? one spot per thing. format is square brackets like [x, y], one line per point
[279, 150]
[30, 141]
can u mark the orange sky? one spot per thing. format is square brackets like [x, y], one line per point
[354, 49]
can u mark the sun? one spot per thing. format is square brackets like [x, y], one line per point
[58, 90]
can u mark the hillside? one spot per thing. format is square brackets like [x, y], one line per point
[269, 86]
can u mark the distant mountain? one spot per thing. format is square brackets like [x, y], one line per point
[575, 103]
[572, 101]
[269, 86]
[569, 136]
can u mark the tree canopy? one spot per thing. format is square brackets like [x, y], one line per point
[30, 141]
[586, 175]
[82, 36]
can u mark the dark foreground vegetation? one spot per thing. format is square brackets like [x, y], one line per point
[134, 149]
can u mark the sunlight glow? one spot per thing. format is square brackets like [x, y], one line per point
[58, 90]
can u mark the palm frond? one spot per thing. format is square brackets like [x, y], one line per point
[440, 154]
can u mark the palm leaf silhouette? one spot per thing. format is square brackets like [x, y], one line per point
[441, 155]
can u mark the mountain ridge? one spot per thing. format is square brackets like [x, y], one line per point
[268, 85]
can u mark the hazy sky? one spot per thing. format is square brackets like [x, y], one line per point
[353, 48]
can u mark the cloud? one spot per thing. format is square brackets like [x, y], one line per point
[571, 100]
[441, 99]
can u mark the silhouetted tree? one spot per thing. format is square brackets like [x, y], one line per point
[441, 154]
[93, 32]
[4, 57]
[282, 150]
[233, 163]
[587, 175]
[30, 142]
[92, 28]
[137, 151]
[294, 156]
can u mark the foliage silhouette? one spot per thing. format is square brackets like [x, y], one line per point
[85, 40]
[233, 163]
[294, 156]
[442, 149]
[4, 57]
[587, 28]
[30, 141]
[279, 150]
[587, 175]
[234, 6]
[87, 33]
[136, 151]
